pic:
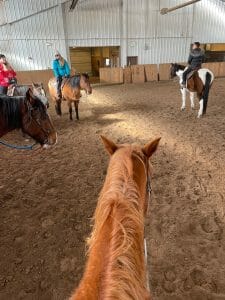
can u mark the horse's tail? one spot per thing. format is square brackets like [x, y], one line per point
[205, 95]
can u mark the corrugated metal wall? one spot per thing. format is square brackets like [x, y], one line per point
[38, 27]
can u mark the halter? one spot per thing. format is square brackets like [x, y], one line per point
[148, 192]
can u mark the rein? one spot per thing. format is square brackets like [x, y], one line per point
[28, 147]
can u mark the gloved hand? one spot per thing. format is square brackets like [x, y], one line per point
[67, 76]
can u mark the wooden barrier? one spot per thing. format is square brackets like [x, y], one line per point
[214, 67]
[111, 75]
[138, 74]
[151, 72]
[27, 77]
[127, 78]
[222, 69]
[164, 71]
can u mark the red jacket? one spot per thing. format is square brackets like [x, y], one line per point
[5, 76]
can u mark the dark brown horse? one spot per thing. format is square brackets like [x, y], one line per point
[21, 90]
[28, 113]
[71, 88]
[116, 266]
[198, 82]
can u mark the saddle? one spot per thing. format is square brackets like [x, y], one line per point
[191, 73]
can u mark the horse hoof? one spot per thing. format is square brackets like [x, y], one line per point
[192, 107]
[182, 108]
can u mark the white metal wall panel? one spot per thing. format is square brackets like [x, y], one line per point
[37, 29]
[34, 40]
[209, 22]
[93, 22]
[2, 13]
[18, 9]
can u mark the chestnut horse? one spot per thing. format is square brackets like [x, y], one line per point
[71, 88]
[28, 113]
[116, 267]
[198, 81]
[21, 90]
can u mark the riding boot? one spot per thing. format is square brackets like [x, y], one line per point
[59, 92]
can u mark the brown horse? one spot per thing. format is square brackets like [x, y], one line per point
[116, 267]
[21, 90]
[71, 88]
[28, 113]
[198, 81]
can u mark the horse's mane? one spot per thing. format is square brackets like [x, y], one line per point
[74, 80]
[180, 67]
[10, 110]
[119, 203]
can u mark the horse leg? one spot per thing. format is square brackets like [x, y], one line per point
[76, 103]
[200, 112]
[58, 107]
[192, 98]
[183, 92]
[70, 110]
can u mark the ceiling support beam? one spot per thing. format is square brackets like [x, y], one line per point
[73, 4]
[164, 11]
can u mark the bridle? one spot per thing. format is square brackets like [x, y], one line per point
[148, 179]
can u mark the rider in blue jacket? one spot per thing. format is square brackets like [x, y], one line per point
[61, 70]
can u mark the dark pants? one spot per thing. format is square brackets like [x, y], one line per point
[189, 69]
[3, 90]
[59, 83]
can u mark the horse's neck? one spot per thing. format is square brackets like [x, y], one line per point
[116, 250]
[180, 73]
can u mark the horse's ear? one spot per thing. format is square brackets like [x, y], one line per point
[110, 146]
[151, 147]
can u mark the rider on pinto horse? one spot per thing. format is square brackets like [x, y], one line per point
[195, 60]
[61, 70]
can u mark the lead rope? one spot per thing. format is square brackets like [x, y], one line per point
[28, 147]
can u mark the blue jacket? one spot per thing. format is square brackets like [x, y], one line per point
[60, 70]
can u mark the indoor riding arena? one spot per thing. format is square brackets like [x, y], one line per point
[49, 192]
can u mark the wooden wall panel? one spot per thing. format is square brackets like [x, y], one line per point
[164, 71]
[111, 75]
[137, 73]
[127, 75]
[151, 72]
[222, 69]
[27, 77]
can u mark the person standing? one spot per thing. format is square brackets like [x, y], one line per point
[7, 75]
[61, 70]
[195, 60]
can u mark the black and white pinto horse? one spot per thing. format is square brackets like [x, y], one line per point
[198, 82]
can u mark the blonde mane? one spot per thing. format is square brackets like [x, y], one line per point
[119, 201]
[117, 236]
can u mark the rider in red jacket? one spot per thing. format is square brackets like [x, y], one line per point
[7, 74]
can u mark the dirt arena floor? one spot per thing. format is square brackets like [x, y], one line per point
[47, 198]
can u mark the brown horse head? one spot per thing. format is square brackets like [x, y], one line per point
[36, 121]
[85, 83]
[141, 167]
